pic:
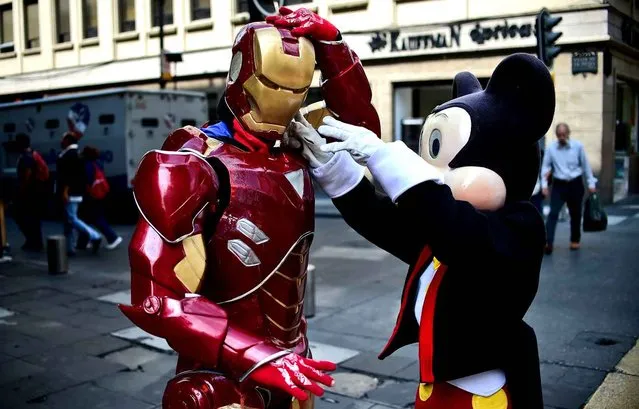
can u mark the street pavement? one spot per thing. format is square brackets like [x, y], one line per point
[64, 344]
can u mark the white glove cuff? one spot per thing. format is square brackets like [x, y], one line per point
[339, 175]
[397, 168]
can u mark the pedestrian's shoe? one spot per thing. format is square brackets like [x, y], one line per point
[574, 245]
[5, 254]
[95, 245]
[114, 244]
[548, 249]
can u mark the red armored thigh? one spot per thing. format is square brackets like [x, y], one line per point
[201, 389]
[445, 396]
[207, 390]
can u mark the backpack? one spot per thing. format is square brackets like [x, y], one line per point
[41, 168]
[100, 187]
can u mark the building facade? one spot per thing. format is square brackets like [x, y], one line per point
[411, 50]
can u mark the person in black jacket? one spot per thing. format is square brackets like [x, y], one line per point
[30, 196]
[71, 184]
[460, 215]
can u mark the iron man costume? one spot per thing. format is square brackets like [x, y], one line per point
[219, 256]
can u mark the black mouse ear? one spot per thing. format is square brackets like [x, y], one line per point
[465, 83]
[522, 87]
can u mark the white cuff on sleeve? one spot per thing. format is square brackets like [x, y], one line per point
[397, 168]
[339, 175]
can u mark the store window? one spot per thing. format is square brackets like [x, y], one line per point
[200, 9]
[89, 18]
[626, 125]
[62, 21]
[626, 129]
[31, 25]
[412, 103]
[6, 29]
[126, 15]
[168, 12]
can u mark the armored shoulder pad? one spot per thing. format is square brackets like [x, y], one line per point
[172, 190]
[179, 137]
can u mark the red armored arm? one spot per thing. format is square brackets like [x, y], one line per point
[345, 86]
[177, 194]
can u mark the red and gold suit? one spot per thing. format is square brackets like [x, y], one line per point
[219, 256]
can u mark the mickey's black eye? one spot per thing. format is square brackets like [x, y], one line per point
[435, 143]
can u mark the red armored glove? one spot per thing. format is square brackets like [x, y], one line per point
[295, 375]
[305, 23]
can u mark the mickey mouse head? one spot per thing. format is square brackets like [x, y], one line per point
[485, 141]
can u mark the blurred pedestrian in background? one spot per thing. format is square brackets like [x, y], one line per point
[93, 205]
[71, 185]
[567, 161]
[5, 252]
[33, 175]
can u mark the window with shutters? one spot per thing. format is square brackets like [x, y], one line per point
[89, 18]
[155, 12]
[6, 28]
[31, 24]
[62, 21]
[126, 15]
[200, 9]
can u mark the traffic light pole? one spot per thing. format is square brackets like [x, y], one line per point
[161, 18]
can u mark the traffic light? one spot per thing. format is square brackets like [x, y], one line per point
[259, 9]
[546, 38]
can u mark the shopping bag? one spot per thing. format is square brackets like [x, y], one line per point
[595, 217]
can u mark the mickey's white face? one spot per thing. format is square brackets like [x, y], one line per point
[443, 135]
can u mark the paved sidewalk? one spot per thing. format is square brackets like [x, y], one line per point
[620, 389]
[63, 344]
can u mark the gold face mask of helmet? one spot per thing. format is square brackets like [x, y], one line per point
[269, 78]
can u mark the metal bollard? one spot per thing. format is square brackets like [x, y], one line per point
[309, 297]
[57, 255]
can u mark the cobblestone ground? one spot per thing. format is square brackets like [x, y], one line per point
[64, 344]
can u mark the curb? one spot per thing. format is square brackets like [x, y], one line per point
[620, 388]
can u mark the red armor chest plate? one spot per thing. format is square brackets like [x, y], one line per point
[258, 254]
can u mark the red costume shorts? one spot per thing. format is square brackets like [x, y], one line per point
[446, 396]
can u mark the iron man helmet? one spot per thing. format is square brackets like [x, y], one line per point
[269, 77]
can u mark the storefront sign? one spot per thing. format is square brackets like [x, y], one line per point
[481, 34]
[448, 38]
[489, 34]
[395, 40]
[584, 62]
[475, 36]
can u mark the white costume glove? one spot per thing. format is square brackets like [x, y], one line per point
[302, 133]
[358, 141]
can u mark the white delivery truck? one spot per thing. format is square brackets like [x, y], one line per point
[122, 123]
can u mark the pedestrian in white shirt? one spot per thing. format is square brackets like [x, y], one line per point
[567, 160]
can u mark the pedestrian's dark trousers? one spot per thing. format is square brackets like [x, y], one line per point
[570, 192]
[93, 211]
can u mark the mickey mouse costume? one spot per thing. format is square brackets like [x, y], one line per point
[460, 216]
